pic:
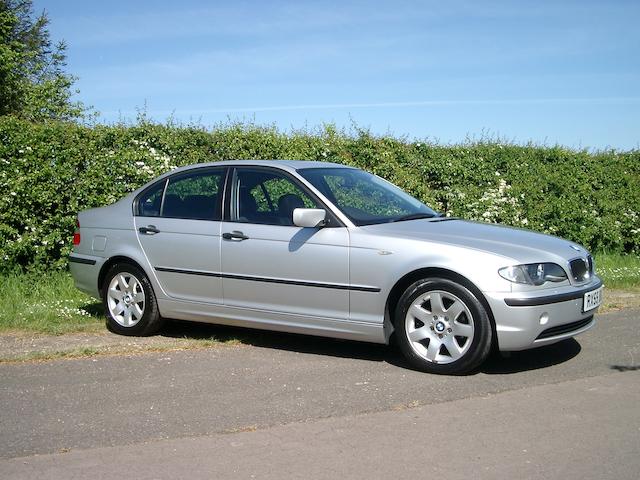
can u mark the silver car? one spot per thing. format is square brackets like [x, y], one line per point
[325, 249]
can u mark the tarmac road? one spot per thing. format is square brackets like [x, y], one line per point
[288, 406]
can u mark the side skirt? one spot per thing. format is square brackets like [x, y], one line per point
[266, 320]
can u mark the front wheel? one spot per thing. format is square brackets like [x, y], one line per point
[441, 327]
[129, 302]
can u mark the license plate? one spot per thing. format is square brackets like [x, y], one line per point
[592, 300]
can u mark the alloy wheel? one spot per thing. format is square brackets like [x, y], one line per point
[439, 326]
[126, 299]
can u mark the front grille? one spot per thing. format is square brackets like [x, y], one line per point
[566, 328]
[581, 268]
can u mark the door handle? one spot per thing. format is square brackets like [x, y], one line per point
[235, 235]
[149, 230]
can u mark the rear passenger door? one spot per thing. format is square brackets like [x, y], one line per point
[178, 225]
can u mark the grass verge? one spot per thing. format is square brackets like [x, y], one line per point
[47, 303]
[619, 272]
[163, 345]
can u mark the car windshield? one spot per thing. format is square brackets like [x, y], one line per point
[365, 198]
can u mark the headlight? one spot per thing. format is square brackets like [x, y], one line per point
[534, 273]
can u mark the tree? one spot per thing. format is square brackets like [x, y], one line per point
[33, 83]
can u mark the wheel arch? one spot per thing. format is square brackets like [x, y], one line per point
[110, 263]
[432, 272]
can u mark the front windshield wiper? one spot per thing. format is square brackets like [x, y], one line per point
[442, 218]
[412, 216]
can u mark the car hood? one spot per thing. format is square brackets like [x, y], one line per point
[515, 243]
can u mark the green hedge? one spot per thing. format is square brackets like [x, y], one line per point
[50, 171]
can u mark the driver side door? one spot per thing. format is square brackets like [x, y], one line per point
[270, 264]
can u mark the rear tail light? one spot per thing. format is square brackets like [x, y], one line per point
[76, 234]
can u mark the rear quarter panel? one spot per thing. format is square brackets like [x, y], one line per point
[105, 233]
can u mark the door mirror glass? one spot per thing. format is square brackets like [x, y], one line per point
[309, 217]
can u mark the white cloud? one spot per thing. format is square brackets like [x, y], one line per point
[418, 103]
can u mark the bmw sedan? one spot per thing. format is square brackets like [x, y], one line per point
[326, 249]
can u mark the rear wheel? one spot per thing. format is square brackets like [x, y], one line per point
[442, 327]
[129, 301]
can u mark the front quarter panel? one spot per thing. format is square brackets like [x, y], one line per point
[382, 261]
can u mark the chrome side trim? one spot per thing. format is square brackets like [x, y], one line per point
[336, 286]
[85, 261]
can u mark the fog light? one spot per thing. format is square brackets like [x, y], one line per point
[544, 318]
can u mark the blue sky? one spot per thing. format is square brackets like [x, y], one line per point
[564, 72]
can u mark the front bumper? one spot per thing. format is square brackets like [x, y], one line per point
[527, 321]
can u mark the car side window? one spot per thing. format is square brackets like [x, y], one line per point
[195, 196]
[267, 197]
[150, 202]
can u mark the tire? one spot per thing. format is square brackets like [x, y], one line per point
[129, 302]
[441, 327]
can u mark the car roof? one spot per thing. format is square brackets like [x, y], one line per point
[283, 164]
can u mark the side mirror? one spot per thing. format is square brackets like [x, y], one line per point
[309, 217]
